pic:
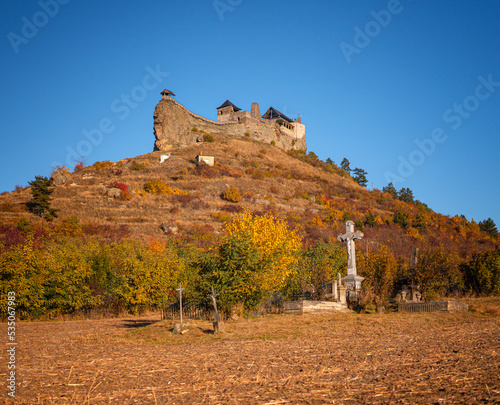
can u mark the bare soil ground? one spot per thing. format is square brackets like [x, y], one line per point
[398, 358]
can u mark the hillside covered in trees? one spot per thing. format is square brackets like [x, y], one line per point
[115, 236]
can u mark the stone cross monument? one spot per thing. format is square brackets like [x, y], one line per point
[352, 281]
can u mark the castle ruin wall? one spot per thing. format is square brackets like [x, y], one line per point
[174, 124]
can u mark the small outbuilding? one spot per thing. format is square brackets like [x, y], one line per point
[209, 160]
[167, 95]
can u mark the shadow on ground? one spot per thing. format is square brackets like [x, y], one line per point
[139, 323]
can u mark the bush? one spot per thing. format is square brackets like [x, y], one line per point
[80, 165]
[204, 170]
[102, 165]
[232, 194]
[137, 166]
[247, 134]
[61, 169]
[208, 138]
[24, 225]
[232, 208]
[121, 186]
[184, 199]
[125, 195]
[158, 187]
[360, 225]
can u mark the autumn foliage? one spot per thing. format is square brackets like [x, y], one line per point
[256, 256]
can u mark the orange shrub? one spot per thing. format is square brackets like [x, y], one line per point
[158, 187]
[102, 165]
[232, 194]
[125, 195]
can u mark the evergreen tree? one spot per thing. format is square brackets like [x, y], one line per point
[40, 201]
[346, 165]
[329, 161]
[406, 195]
[360, 176]
[390, 189]
[489, 226]
[400, 219]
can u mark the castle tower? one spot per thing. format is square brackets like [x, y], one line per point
[255, 111]
[225, 111]
[167, 95]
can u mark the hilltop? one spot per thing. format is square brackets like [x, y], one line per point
[314, 197]
[176, 126]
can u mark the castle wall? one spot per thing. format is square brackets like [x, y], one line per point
[300, 130]
[173, 124]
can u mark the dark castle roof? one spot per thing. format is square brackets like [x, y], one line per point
[167, 92]
[227, 103]
[273, 113]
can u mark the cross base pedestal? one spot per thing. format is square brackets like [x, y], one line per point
[353, 282]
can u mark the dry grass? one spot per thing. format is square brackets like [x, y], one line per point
[82, 197]
[484, 305]
[286, 359]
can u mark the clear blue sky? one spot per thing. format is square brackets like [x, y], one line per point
[372, 80]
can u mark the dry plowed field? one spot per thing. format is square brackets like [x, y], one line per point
[438, 358]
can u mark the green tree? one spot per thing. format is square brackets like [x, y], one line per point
[40, 201]
[257, 255]
[406, 195]
[400, 219]
[329, 161]
[489, 226]
[231, 270]
[360, 177]
[390, 189]
[313, 155]
[371, 219]
[346, 165]
[319, 263]
[482, 272]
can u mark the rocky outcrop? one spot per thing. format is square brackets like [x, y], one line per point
[59, 178]
[175, 125]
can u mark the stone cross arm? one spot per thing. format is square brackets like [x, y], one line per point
[350, 236]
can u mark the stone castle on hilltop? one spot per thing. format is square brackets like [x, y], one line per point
[175, 126]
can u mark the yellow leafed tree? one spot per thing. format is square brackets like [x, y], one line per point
[278, 247]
